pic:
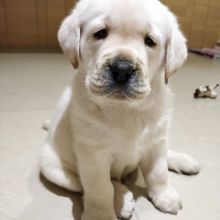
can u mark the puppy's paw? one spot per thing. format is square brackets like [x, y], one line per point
[188, 165]
[166, 199]
[128, 205]
[124, 200]
[182, 163]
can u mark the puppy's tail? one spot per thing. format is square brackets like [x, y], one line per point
[182, 163]
[46, 125]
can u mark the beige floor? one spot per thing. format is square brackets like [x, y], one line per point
[30, 85]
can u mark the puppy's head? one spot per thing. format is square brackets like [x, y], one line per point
[123, 46]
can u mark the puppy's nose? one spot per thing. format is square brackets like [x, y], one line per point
[121, 71]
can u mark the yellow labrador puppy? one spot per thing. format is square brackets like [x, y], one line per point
[115, 114]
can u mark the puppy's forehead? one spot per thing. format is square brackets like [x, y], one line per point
[134, 12]
[136, 15]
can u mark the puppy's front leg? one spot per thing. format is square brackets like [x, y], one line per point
[155, 171]
[98, 190]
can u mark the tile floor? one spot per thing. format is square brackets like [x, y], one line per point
[28, 96]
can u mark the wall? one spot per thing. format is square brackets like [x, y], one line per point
[199, 19]
[31, 23]
[34, 23]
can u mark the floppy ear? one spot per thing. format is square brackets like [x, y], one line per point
[176, 52]
[69, 38]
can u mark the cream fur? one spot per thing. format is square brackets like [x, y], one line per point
[93, 138]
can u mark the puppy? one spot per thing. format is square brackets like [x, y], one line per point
[115, 114]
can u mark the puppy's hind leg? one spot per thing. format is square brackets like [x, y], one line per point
[182, 163]
[57, 172]
[46, 125]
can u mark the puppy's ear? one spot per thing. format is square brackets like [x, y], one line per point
[69, 37]
[176, 51]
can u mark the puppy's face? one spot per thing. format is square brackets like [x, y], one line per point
[121, 46]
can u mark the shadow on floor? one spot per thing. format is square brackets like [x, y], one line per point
[76, 198]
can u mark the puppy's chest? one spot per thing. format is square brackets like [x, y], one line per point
[127, 131]
[128, 141]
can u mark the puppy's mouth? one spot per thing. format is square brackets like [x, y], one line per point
[119, 79]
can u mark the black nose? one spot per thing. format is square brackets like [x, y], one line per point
[121, 71]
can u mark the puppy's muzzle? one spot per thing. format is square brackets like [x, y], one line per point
[120, 78]
[121, 71]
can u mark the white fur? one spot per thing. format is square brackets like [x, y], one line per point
[93, 139]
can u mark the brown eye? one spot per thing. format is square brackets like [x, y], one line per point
[102, 34]
[149, 42]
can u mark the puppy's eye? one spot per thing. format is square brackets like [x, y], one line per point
[149, 42]
[102, 34]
